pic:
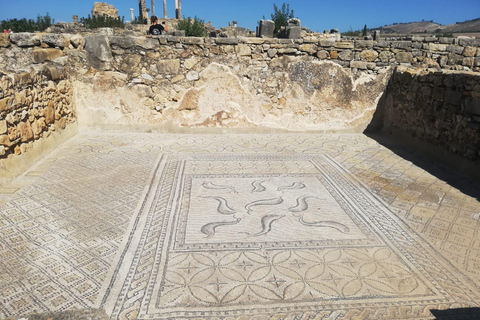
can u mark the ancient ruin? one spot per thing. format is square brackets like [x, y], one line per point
[239, 177]
[104, 9]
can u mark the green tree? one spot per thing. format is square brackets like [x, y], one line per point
[102, 22]
[364, 33]
[281, 16]
[24, 25]
[193, 27]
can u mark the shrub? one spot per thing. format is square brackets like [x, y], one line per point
[193, 27]
[24, 25]
[281, 16]
[102, 22]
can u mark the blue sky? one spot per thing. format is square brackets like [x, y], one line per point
[315, 14]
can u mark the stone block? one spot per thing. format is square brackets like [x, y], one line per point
[468, 62]
[243, 50]
[308, 47]
[4, 40]
[41, 55]
[386, 56]
[477, 61]
[445, 40]
[465, 41]
[192, 76]
[50, 113]
[230, 41]
[98, 50]
[437, 47]
[383, 44]
[401, 44]
[169, 66]
[266, 29]
[25, 39]
[294, 32]
[333, 55]
[56, 40]
[5, 140]
[362, 65]
[174, 39]
[6, 103]
[453, 97]
[272, 53]
[287, 51]
[369, 55]
[194, 40]
[327, 42]
[363, 44]
[77, 41]
[430, 39]
[344, 44]
[472, 105]
[3, 126]
[469, 52]
[346, 55]
[251, 40]
[455, 49]
[418, 39]
[404, 57]
[26, 132]
[323, 54]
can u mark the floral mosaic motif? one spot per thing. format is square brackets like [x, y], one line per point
[301, 275]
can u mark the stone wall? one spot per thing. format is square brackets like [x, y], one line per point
[438, 107]
[317, 83]
[32, 106]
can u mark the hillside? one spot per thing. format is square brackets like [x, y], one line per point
[431, 27]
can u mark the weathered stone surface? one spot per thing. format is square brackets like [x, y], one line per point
[369, 55]
[363, 44]
[50, 113]
[193, 40]
[25, 130]
[252, 40]
[404, 57]
[344, 44]
[465, 41]
[99, 53]
[101, 9]
[231, 41]
[41, 55]
[309, 48]
[170, 66]
[56, 40]
[323, 54]
[294, 32]
[327, 42]
[243, 50]
[192, 76]
[25, 39]
[362, 65]
[436, 47]
[469, 51]
[3, 126]
[4, 40]
[401, 44]
[346, 55]
[266, 28]
[77, 41]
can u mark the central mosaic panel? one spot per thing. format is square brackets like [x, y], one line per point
[248, 235]
[245, 210]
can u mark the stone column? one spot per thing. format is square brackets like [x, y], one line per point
[153, 7]
[131, 15]
[75, 19]
[143, 10]
[178, 11]
[165, 9]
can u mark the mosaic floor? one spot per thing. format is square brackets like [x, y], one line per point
[284, 226]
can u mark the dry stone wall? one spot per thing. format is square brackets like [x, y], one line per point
[440, 107]
[32, 106]
[316, 83]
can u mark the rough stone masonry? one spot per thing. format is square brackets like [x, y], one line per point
[171, 83]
